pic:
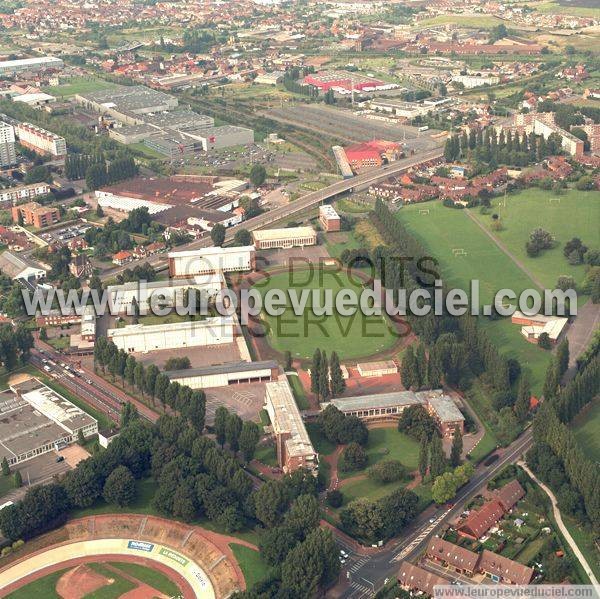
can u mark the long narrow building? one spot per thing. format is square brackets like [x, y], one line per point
[204, 261]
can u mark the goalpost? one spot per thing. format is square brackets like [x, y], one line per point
[459, 252]
[424, 211]
[550, 200]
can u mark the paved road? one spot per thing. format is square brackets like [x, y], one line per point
[369, 573]
[580, 333]
[307, 201]
[563, 529]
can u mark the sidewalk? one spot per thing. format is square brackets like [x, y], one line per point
[563, 529]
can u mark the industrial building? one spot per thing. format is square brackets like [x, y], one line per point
[168, 293]
[35, 214]
[223, 375]
[13, 195]
[342, 80]
[20, 267]
[284, 238]
[204, 261]
[329, 218]
[389, 406]
[272, 78]
[36, 420]
[41, 141]
[225, 136]
[126, 104]
[372, 154]
[408, 110]
[476, 80]
[40, 63]
[294, 447]
[195, 333]
[8, 154]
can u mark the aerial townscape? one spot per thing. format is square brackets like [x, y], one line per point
[299, 299]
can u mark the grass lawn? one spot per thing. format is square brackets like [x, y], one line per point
[118, 587]
[79, 85]
[567, 8]
[43, 587]
[481, 406]
[320, 443]
[252, 564]
[530, 551]
[587, 431]
[336, 243]
[149, 152]
[475, 22]
[152, 319]
[389, 444]
[60, 343]
[365, 488]
[302, 334]
[299, 393]
[444, 229]
[267, 455]
[577, 215]
[351, 206]
[585, 541]
[156, 579]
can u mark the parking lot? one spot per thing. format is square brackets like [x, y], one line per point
[246, 400]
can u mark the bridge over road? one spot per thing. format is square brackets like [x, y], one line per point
[307, 201]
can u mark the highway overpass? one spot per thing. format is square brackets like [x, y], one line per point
[307, 201]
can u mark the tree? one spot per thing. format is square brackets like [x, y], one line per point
[80, 437]
[119, 488]
[233, 428]
[84, 484]
[409, 370]
[184, 503]
[387, 471]
[353, 457]
[129, 413]
[43, 334]
[196, 410]
[324, 377]
[335, 498]
[437, 459]
[249, 437]
[416, 422]
[99, 211]
[544, 341]
[423, 456]
[562, 357]
[5, 467]
[522, 403]
[303, 515]
[242, 237]
[18, 479]
[315, 372]
[456, 450]
[337, 382]
[218, 235]
[287, 361]
[178, 363]
[270, 502]
[220, 424]
[258, 175]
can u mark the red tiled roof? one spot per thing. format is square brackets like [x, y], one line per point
[413, 577]
[480, 521]
[509, 494]
[452, 554]
[505, 568]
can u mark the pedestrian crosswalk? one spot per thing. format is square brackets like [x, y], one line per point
[358, 591]
[358, 564]
[419, 538]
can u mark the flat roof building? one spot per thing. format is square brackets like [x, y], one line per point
[223, 375]
[13, 195]
[35, 214]
[20, 267]
[380, 368]
[204, 261]
[168, 293]
[8, 154]
[34, 420]
[284, 238]
[386, 406]
[329, 218]
[41, 141]
[294, 447]
[197, 333]
[38, 63]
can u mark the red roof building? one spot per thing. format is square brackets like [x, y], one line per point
[480, 521]
[372, 154]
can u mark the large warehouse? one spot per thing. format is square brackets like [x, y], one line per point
[294, 447]
[35, 420]
[223, 375]
[284, 238]
[204, 261]
[198, 333]
[170, 293]
[39, 63]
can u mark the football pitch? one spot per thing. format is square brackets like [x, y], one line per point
[447, 231]
[352, 337]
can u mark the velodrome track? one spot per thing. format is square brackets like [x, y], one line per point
[196, 582]
[200, 562]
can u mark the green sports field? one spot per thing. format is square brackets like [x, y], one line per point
[352, 337]
[252, 564]
[79, 85]
[571, 214]
[444, 229]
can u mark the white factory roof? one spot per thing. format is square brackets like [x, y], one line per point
[287, 233]
[208, 280]
[39, 97]
[22, 62]
[172, 328]
[211, 251]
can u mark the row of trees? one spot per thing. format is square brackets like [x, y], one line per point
[342, 429]
[99, 173]
[240, 435]
[149, 381]
[77, 165]
[326, 378]
[15, 345]
[489, 147]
